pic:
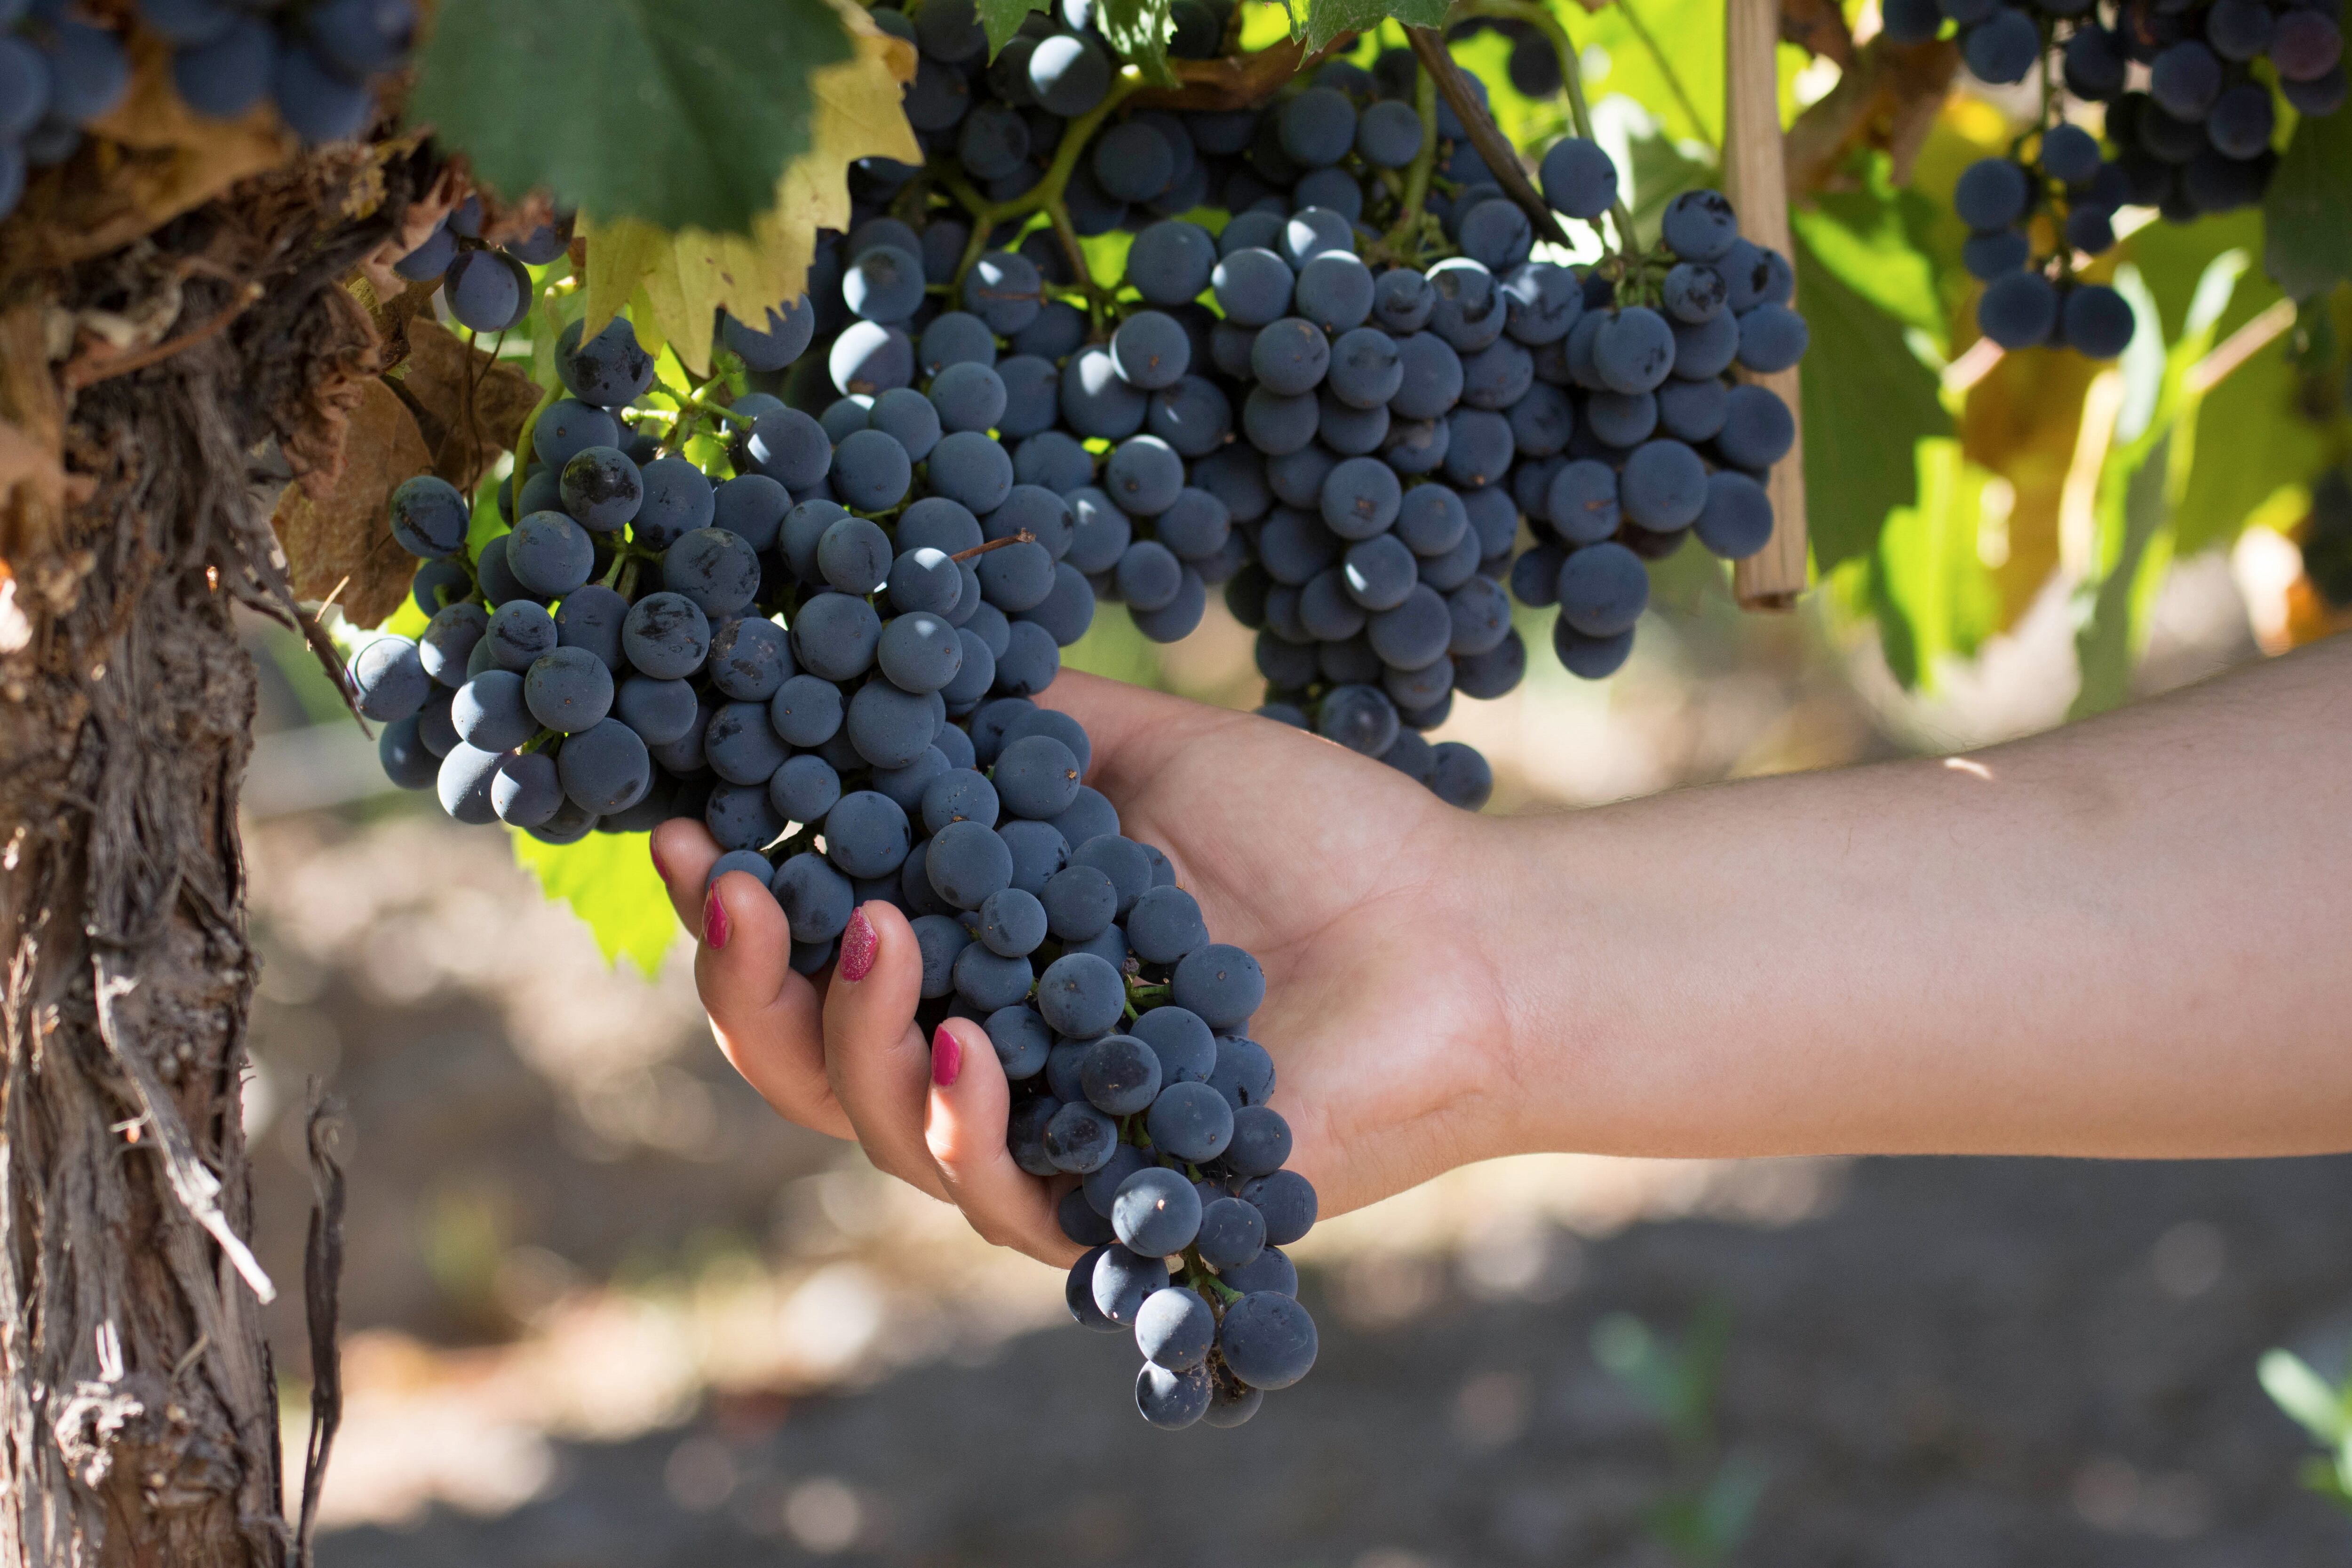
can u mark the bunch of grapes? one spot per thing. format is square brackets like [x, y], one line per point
[1638, 430]
[1157, 1099]
[58, 73]
[486, 287]
[838, 686]
[1136, 404]
[2195, 139]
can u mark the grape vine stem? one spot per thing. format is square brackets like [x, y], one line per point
[1047, 194]
[1019, 536]
[1399, 240]
[1572, 76]
[1484, 135]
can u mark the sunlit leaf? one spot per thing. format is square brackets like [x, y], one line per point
[1868, 402]
[1002, 18]
[1137, 31]
[1667, 56]
[684, 277]
[608, 880]
[2022, 421]
[2145, 475]
[1873, 240]
[2253, 441]
[2304, 1395]
[1327, 20]
[1934, 598]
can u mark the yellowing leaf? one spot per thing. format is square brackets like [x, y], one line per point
[685, 278]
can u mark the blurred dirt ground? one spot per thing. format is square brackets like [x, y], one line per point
[1961, 1363]
[602, 1309]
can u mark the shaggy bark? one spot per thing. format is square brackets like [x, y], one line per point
[138, 1405]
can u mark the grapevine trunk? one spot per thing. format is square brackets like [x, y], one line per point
[139, 1419]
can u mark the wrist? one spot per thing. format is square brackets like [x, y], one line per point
[1571, 1058]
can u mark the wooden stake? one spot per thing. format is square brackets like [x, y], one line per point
[1755, 176]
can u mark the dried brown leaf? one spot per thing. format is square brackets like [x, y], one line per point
[153, 159]
[391, 313]
[479, 402]
[342, 535]
[341, 357]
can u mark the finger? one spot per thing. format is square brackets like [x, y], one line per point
[683, 853]
[874, 1054]
[766, 1017]
[964, 1129]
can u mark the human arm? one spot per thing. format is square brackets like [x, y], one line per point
[2124, 938]
[2117, 939]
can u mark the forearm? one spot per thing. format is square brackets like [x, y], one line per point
[2132, 937]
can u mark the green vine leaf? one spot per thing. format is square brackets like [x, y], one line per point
[1138, 30]
[1002, 18]
[1327, 20]
[608, 880]
[1868, 404]
[2307, 214]
[682, 116]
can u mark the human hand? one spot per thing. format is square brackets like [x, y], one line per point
[1357, 890]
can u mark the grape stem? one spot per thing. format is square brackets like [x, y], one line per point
[1484, 135]
[1400, 240]
[1047, 194]
[702, 405]
[1019, 536]
[1197, 1275]
[1572, 78]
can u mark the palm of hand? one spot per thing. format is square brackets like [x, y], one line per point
[1342, 875]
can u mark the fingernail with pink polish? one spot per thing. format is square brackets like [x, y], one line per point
[659, 870]
[714, 920]
[857, 948]
[947, 1057]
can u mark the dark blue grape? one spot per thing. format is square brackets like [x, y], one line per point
[1431, 378]
[464, 781]
[1992, 194]
[835, 636]
[2097, 320]
[388, 679]
[741, 816]
[606, 768]
[570, 690]
[1190, 1121]
[888, 728]
[1388, 135]
[818, 900]
[866, 833]
[1155, 1212]
[1578, 178]
[1232, 1234]
[1602, 589]
[1267, 1339]
[1758, 428]
[223, 75]
[1771, 337]
[430, 518]
[967, 862]
[667, 636]
[2019, 311]
[1737, 520]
